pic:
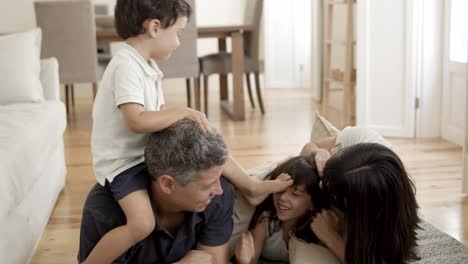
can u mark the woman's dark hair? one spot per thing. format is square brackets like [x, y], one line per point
[302, 171]
[369, 184]
[130, 14]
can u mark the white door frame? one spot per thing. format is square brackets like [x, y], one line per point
[465, 146]
[451, 128]
[387, 66]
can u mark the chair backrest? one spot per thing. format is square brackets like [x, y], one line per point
[101, 9]
[253, 16]
[184, 61]
[69, 34]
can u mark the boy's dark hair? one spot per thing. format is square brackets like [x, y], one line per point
[302, 171]
[130, 14]
[369, 184]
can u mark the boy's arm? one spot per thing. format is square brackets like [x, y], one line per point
[140, 121]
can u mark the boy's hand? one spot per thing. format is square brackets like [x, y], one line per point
[198, 117]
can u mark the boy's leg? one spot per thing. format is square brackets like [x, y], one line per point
[254, 190]
[140, 223]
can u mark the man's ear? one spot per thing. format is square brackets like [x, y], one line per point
[152, 27]
[166, 183]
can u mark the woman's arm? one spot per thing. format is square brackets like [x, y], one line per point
[324, 225]
[320, 150]
[311, 148]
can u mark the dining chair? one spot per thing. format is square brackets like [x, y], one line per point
[103, 49]
[183, 63]
[69, 34]
[220, 63]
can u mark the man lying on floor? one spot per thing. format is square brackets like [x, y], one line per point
[192, 203]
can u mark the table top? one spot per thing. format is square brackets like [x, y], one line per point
[105, 29]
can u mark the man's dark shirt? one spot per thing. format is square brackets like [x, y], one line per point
[212, 227]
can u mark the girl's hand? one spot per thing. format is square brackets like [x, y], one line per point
[245, 249]
[324, 225]
[321, 158]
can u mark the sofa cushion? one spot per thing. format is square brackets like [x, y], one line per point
[20, 67]
[28, 133]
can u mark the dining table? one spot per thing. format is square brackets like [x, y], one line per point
[235, 108]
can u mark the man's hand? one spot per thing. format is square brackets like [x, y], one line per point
[197, 257]
[321, 158]
[245, 249]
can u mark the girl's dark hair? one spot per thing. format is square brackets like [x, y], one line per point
[130, 14]
[369, 184]
[303, 171]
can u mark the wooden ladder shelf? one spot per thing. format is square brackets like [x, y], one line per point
[336, 81]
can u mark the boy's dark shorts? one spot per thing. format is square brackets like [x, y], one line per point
[131, 180]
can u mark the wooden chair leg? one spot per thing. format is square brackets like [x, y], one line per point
[67, 99]
[197, 93]
[249, 89]
[94, 90]
[72, 89]
[205, 94]
[189, 93]
[259, 92]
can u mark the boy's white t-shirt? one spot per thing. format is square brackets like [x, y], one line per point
[127, 79]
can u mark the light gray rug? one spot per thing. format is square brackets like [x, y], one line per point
[436, 247]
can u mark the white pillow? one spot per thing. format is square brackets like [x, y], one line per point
[322, 128]
[20, 67]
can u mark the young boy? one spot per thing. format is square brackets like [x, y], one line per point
[129, 105]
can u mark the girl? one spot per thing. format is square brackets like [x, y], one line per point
[283, 213]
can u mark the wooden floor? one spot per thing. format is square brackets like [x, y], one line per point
[436, 165]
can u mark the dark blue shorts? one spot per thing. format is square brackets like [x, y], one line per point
[131, 180]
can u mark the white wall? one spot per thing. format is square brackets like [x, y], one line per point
[16, 15]
[287, 43]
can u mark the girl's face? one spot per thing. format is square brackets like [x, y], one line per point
[292, 203]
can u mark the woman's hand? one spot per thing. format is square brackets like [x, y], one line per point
[245, 249]
[321, 158]
[325, 227]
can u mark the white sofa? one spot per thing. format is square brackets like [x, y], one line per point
[32, 167]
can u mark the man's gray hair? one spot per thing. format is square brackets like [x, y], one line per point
[183, 149]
